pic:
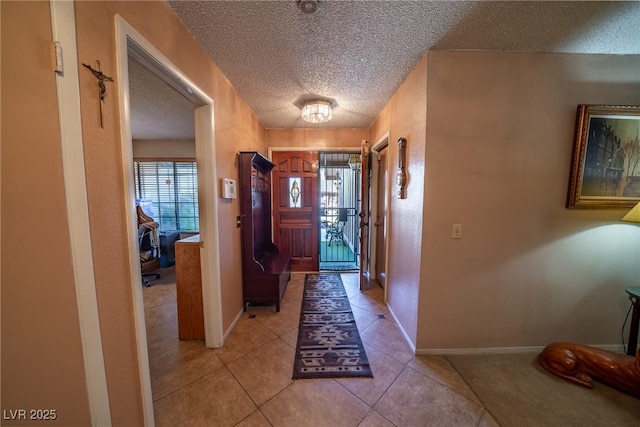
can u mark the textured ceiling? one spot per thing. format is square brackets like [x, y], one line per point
[359, 52]
[157, 110]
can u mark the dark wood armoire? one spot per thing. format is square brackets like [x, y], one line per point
[265, 269]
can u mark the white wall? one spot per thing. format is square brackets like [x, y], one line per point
[527, 271]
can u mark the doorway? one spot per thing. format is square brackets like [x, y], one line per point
[166, 189]
[380, 223]
[339, 200]
[319, 227]
[130, 43]
[379, 192]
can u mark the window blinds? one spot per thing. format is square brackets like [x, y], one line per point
[168, 192]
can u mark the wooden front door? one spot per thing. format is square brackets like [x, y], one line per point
[295, 207]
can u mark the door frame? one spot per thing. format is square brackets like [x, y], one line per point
[130, 41]
[63, 26]
[379, 145]
[317, 149]
[320, 149]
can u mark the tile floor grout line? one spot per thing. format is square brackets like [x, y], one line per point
[374, 410]
[466, 398]
[355, 395]
[382, 351]
[380, 335]
[189, 383]
[242, 387]
[444, 384]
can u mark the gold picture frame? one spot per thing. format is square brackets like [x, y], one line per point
[605, 166]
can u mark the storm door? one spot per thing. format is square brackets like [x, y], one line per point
[339, 181]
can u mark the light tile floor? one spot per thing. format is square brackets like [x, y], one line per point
[248, 381]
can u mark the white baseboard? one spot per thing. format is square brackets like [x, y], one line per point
[404, 333]
[485, 350]
[502, 350]
[233, 325]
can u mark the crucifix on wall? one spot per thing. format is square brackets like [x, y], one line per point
[102, 89]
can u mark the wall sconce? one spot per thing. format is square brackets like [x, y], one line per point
[401, 176]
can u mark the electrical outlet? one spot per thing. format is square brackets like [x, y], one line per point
[456, 231]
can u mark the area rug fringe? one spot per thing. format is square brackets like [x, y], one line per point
[329, 344]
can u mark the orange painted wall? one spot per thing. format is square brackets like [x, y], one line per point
[315, 138]
[236, 128]
[489, 138]
[404, 116]
[42, 365]
[524, 276]
[528, 271]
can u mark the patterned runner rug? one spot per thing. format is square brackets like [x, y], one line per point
[329, 344]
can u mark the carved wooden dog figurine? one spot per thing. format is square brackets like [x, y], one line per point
[581, 363]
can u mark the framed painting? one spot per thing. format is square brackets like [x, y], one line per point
[605, 167]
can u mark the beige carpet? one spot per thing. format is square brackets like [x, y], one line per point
[517, 391]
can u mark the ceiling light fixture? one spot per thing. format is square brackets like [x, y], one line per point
[316, 112]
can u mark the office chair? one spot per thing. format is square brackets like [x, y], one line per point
[149, 246]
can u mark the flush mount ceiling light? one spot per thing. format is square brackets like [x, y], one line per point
[316, 112]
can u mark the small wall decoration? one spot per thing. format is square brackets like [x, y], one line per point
[102, 89]
[401, 176]
[605, 168]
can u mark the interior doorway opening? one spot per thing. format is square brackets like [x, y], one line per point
[130, 43]
[339, 192]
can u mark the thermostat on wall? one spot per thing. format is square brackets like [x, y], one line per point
[229, 190]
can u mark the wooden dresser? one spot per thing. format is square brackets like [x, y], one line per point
[189, 289]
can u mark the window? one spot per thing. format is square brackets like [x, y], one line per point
[294, 193]
[168, 192]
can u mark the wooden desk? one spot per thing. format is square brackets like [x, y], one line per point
[189, 289]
